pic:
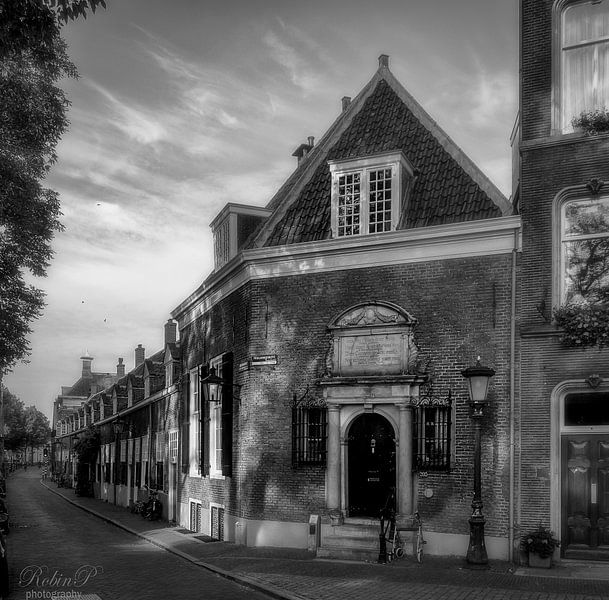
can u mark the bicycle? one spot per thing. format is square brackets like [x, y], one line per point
[395, 544]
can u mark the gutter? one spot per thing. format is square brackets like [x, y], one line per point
[511, 525]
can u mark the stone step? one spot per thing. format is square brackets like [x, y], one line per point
[352, 530]
[338, 541]
[345, 553]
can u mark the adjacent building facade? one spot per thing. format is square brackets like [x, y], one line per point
[564, 206]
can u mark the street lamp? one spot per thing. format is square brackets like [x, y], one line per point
[478, 378]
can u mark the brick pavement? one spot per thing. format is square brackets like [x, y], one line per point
[296, 574]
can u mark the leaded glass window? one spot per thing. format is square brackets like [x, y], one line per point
[585, 251]
[349, 204]
[380, 201]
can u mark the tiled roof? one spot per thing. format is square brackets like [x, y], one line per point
[444, 191]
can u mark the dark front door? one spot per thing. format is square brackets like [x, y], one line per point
[585, 496]
[371, 464]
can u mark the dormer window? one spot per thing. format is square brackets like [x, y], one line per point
[231, 229]
[368, 193]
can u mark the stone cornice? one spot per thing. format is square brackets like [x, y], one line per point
[442, 242]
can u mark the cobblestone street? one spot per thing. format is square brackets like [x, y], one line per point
[139, 559]
[50, 536]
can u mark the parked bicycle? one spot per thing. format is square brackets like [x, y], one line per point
[394, 541]
[151, 508]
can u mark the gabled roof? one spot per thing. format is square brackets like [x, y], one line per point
[384, 117]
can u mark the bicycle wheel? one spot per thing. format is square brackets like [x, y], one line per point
[417, 545]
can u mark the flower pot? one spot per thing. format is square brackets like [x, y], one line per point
[538, 562]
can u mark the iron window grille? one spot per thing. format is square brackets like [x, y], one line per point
[432, 433]
[309, 435]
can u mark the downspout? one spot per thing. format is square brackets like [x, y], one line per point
[511, 524]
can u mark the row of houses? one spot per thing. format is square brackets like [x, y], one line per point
[316, 376]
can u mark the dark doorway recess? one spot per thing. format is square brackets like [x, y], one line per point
[371, 464]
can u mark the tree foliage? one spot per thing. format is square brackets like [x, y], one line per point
[33, 117]
[26, 427]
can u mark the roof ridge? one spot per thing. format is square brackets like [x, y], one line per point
[451, 147]
[279, 202]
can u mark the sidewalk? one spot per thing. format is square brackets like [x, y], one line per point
[297, 575]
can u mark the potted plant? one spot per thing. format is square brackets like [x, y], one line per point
[583, 324]
[540, 545]
[592, 122]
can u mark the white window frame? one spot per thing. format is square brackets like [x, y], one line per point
[401, 175]
[173, 446]
[215, 423]
[194, 429]
[562, 199]
[561, 123]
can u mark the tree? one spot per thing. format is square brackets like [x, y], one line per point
[14, 421]
[33, 117]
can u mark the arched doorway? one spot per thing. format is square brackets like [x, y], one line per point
[371, 455]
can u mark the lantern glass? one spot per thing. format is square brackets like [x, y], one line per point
[478, 387]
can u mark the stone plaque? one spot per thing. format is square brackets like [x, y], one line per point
[382, 354]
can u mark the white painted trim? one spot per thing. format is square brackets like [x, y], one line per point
[567, 194]
[442, 242]
[556, 429]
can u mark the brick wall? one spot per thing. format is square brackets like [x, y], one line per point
[463, 308]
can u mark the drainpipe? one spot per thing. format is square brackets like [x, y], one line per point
[512, 398]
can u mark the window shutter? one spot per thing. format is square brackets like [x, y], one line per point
[185, 425]
[227, 415]
[204, 428]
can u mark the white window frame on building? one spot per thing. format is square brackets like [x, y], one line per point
[583, 48]
[215, 423]
[581, 198]
[194, 411]
[368, 194]
[173, 446]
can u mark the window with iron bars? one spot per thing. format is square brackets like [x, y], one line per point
[309, 435]
[432, 437]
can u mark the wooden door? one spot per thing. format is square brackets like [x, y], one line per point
[371, 465]
[585, 496]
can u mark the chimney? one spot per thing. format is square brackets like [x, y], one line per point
[170, 332]
[304, 149]
[120, 368]
[86, 365]
[140, 355]
[346, 100]
[384, 60]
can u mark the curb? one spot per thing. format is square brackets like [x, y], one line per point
[245, 580]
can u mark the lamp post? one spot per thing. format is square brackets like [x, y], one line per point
[478, 378]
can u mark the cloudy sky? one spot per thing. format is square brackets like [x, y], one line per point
[183, 106]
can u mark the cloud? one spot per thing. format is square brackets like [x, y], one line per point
[295, 60]
[138, 123]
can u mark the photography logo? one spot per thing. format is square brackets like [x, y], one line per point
[52, 584]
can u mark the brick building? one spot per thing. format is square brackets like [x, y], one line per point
[564, 413]
[317, 377]
[340, 317]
